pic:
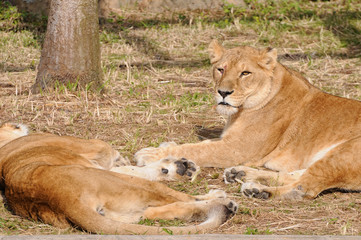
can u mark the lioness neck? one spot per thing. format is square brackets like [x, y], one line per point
[285, 84]
[267, 91]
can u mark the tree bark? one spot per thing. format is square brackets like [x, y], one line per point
[71, 50]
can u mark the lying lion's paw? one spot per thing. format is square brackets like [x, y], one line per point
[254, 190]
[186, 167]
[232, 175]
[223, 209]
[230, 209]
[173, 168]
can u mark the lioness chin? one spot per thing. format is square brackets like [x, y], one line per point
[65, 181]
[307, 140]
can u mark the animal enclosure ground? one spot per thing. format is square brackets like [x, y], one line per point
[158, 88]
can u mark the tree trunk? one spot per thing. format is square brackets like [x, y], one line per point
[71, 50]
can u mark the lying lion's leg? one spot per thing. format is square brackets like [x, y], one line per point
[215, 212]
[101, 201]
[197, 210]
[129, 200]
[340, 168]
[266, 177]
[165, 169]
[139, 194]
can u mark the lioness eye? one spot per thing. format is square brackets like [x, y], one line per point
[245, 73]
[221, 70]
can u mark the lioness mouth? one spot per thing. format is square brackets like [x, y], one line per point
[224, 103]
[227, 104]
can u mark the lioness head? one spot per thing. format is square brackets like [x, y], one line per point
[243, 76]
[11, 131]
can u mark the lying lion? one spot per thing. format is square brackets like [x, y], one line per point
[277, 120]
[64, 181]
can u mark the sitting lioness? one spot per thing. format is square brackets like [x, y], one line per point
[307, 140]
[64, 181]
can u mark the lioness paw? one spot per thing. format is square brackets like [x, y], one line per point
[254, 190]
[148, 155]
[233, 174]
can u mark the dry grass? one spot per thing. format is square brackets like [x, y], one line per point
[158, 88]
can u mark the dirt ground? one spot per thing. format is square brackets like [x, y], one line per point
[158, 88]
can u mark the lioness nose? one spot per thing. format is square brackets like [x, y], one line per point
[225, 93]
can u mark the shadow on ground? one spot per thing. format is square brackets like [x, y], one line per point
[342, 25]
[203, 133]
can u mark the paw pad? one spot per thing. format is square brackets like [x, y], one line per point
[233, 207]
[185, 167]
[232, 175]
[230, 209]
[256, 193]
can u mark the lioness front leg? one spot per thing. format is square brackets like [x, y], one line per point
[204, 154]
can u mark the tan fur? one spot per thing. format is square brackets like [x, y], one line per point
[279, 121]
[63, 181]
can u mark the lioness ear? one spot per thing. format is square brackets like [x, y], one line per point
[268, 58]
[215, 51]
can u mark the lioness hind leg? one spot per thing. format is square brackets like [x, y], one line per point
[256, 190]
[340, 168]
[223, 208]
[267, 177]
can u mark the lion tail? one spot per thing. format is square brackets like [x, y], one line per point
[99, 224]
